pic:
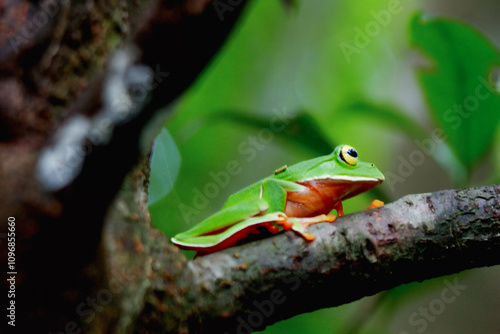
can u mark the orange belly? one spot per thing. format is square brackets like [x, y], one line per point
[322, 196]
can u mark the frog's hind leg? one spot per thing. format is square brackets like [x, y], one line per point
[306, 222]
[299, 225]
[224, 219]
[209, 243]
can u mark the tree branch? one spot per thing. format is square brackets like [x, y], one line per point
[251, 286]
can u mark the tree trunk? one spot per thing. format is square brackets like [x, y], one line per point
[79, 83]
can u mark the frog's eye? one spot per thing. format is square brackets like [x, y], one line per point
[349, 155]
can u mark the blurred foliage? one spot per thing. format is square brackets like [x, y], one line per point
[459, 90]
[293, 82]
[165, 164]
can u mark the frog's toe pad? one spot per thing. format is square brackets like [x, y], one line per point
[309, 236]
[375, 204]
[330, 218]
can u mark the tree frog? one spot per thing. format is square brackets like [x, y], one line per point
[291, 199]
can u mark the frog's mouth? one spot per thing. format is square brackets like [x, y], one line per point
[357, 178]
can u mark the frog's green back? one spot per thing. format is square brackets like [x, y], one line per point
[292, 173]
[330, 166]
[299, 171]
[244, 195]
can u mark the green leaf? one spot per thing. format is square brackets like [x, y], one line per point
[165, 164]
[457, 87]
[383, 114]
[301, 129]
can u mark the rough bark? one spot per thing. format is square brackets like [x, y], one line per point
[251, 286]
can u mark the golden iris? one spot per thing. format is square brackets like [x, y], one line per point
[349, 155]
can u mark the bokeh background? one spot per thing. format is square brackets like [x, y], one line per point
[387, 77]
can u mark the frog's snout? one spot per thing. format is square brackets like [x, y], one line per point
[379, 175]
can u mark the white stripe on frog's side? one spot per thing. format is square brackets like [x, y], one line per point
[345, 178]
[259, 220]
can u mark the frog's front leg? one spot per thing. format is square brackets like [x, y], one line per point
[339, 208]
[275, 194]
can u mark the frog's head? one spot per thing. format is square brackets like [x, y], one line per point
[348, 167]
[342, 169]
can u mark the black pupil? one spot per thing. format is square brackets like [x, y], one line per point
[352, 152]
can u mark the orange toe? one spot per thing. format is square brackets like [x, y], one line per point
[309, 236]
[375, 204]
[330, 218]
[286, 223]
